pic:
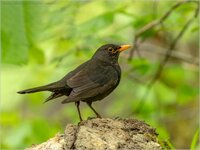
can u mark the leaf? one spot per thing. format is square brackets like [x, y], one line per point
[14, 43]
[20, 31]
[195, 139]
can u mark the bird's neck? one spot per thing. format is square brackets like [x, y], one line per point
[106, 58]
[111, 61]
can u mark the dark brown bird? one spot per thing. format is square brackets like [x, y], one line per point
[89, 82]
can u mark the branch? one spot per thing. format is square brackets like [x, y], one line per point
[172, 46]
[174, 54]
[166, 58]
[155, 23]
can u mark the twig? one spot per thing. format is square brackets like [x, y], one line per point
[172, 46]
[177, 55]
[167, 56]
[154, 24]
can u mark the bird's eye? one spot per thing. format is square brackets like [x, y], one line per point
[110, 49]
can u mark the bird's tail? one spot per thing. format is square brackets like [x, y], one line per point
[48, 87]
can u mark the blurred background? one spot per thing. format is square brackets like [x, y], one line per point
[41, 41]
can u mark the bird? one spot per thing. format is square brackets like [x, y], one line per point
[89, 82]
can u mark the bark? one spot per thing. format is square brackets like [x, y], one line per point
[99, 134]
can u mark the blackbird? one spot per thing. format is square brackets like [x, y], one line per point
[89, 82]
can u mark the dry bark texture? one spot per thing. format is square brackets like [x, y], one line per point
[100, 134]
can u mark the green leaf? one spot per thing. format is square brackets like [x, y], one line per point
[14, 42]
[193, 145]
[20, 31]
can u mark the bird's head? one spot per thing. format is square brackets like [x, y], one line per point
[110, 52]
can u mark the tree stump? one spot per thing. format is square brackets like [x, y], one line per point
[100, 134]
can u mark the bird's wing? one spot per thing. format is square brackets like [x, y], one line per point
[91, 81]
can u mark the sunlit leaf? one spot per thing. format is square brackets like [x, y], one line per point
[195, 139]
[15, 47]
[20, 20]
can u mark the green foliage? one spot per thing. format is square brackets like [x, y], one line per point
[15, 47]
[141, 66]
[166, 145]
[25, 28]
[43, 40]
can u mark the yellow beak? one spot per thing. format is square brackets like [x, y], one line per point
[124, 47]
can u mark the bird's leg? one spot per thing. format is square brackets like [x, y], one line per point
[90, 105]
[79, 113]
